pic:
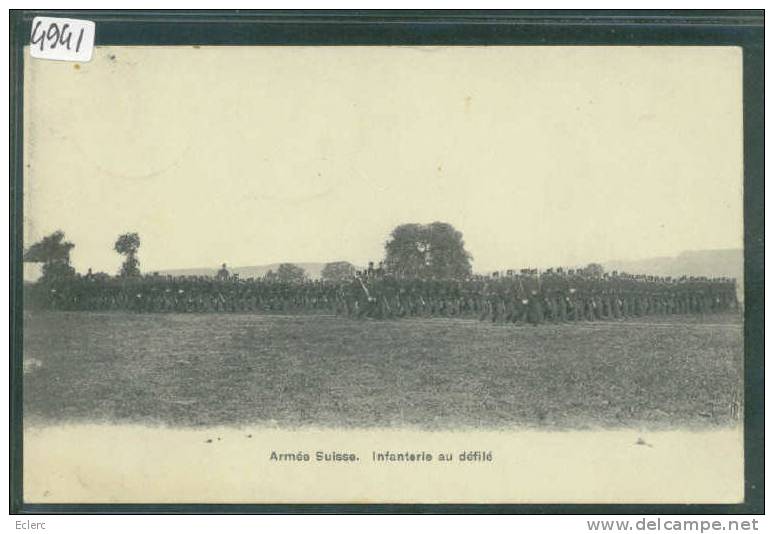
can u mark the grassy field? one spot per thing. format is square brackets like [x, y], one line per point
[235, 369]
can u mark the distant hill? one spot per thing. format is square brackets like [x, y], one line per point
[710, 263]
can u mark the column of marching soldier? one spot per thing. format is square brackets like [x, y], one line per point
[527, 296]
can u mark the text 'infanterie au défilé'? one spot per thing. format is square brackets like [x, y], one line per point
[383, 456]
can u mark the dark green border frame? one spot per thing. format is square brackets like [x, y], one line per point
[381, 27]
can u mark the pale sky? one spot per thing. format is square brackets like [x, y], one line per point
[541, 156]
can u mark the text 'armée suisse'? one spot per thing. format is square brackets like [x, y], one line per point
[383, 456]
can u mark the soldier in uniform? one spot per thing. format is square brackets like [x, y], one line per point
[223, 273]
[534, 298]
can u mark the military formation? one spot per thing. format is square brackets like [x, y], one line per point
[523, 297]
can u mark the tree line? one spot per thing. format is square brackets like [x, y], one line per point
[435, 250]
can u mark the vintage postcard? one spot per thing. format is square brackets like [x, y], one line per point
[384, 274]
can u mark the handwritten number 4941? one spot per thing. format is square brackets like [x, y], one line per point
[56, 35]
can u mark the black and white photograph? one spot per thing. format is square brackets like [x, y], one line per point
[384, 274]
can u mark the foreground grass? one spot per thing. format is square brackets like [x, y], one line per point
[222, 369]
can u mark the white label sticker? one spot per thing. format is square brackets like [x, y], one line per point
[62, 39]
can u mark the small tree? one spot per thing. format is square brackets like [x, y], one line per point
[54, 253]
[288, 272]
[128, 245]
[594, 269]
[270, 276]
[338, 271]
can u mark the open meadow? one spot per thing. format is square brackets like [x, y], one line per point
[289, 371]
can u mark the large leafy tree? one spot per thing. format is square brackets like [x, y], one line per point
[289, 272]
[54, 253]
[127, 245]
[338, 271]
[434, 250]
